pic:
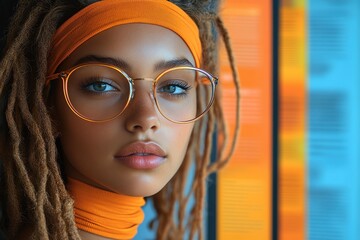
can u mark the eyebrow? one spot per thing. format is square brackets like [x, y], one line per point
[172, 63]
[117, 62]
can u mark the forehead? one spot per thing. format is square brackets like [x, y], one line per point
[134, 43]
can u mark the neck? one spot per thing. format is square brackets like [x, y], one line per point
[106, 214]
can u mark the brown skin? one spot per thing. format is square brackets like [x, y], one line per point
[89, 148]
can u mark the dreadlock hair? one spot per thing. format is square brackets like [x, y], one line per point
[33, 192]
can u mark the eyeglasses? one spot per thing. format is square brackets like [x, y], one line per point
[99, 92]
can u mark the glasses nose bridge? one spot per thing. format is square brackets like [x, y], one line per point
[148, 79]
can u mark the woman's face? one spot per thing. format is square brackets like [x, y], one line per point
[138, 152]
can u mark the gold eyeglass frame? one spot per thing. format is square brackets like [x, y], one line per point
[64, 76]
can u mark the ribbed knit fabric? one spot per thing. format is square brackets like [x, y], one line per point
[104, 213]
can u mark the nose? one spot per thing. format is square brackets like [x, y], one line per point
[142, 114]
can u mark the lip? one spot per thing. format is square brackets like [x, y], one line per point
[141, 155]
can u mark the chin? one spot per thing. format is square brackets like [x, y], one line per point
[145, 192]
[139, 188]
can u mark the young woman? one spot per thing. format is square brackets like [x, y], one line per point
[104, 103]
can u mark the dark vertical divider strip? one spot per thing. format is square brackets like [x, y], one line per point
[275, 127]
[211, 200]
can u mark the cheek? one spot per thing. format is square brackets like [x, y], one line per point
[84, 139]
[79, 138]
[179, 140]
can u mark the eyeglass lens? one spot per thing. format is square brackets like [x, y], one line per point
[100, 92]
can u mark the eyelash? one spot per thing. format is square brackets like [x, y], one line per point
[93, 80]
[183, 85]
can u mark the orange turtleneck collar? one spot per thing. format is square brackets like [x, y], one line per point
[104, 213]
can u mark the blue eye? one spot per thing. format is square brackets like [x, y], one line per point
[174, 88]
[100, 87]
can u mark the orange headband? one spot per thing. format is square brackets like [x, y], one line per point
[105, 14]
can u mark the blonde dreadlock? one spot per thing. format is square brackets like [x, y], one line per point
[30, 177]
